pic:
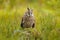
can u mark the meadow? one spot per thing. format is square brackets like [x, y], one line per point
[47, 20]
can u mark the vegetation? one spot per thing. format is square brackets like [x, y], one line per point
[47, 16]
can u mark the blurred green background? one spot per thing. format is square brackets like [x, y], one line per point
[47, 17]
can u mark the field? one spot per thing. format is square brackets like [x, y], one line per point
[47, 20]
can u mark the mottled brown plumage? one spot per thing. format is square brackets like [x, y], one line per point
[28, 19]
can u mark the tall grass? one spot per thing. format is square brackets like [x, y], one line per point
[47, 25]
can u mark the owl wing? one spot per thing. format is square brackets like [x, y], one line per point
[33, 24]
[22, 21]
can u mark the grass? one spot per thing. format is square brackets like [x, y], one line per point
[47, 24]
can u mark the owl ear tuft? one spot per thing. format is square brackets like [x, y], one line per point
[28, 8]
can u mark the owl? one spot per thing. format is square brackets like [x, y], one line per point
[28, 20]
